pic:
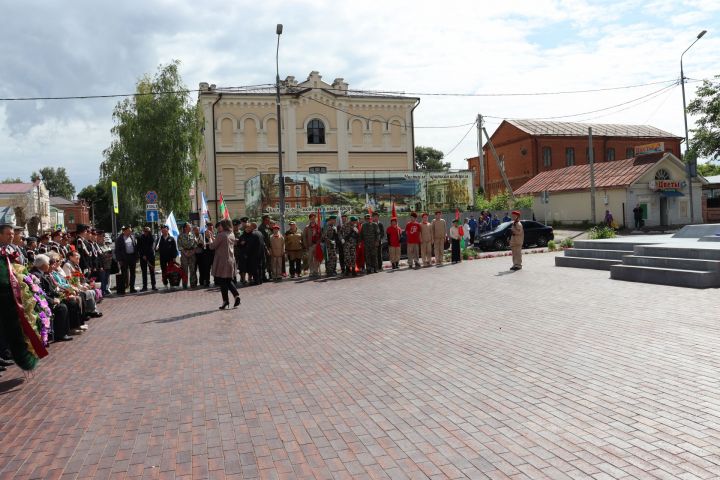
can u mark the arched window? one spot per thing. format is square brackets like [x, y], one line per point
[315, 132]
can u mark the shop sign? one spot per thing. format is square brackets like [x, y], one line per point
[650, 148]
[661, 185]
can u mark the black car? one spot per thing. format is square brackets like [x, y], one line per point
[536, 233]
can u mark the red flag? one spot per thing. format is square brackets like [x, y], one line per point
[318, 247]
[460, 225]
[393, 214]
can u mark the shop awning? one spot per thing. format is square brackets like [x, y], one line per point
[671, 193]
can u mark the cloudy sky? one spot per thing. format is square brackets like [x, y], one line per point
[89, 47]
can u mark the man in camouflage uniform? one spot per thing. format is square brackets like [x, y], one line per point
[187, 243]
[331, 239]
[370, 236]
[350, 235]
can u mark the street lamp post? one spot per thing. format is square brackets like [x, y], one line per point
[691, 165]
[281, 185]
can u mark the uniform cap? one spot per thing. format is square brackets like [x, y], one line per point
[332, 217]
[516, 212]
[31, 239]
[276, 227]
[244, 219]
[236, 221]
[353, 218]
[367, 215]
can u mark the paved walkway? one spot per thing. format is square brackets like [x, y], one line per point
[463, 371]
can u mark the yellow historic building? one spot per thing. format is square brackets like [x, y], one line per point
[325, 127]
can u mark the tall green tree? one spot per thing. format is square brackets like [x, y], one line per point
[706, 137]
[12, 180]
[98, 197]
[56, 181]
[156, 142]
[430, 160]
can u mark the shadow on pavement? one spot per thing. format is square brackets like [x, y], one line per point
[181, 317]
[8, 386]
[506, 272]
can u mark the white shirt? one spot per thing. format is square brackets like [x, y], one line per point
[129, 248]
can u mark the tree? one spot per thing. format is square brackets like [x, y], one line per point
[12, 180]
[97, 196]
[430, 160]
[708, 169]
[706, 137]
[156, 142]
[56, 181]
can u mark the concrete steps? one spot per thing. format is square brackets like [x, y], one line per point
[597, 253]
[666, 276]
[586, 262]
[689, 264]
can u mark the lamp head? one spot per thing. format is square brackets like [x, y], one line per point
[700, 35]
[279, 27]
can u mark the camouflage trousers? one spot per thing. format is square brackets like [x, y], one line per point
[189, 266]
[371, 258]
[331, 261]
[349, 251]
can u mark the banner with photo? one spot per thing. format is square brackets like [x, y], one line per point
[356, 191]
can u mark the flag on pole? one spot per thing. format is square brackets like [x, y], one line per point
[224, 212]
[204, 213]
[318, 248]
[173, 227]
[339, 219]
[393, 214]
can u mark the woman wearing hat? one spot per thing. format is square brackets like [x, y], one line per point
[223, 267]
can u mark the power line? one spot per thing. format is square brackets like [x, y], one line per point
[507, 94]
[122, 95]
[462, 139]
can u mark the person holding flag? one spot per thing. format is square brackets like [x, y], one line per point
[311, 240]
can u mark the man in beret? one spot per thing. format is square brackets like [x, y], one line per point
[350, 235]
[331, 239]
[294, 249]
[426, 239]
[126, 256]
[517, 238]
[412, 236]
[370, 236]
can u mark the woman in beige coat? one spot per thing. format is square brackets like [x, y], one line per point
[223, 267]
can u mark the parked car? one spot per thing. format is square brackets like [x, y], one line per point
[536, 233]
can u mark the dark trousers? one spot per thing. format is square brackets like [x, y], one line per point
[75, 318]
[296, 266]
[379, 257]
[127, 273]
[148, 266]
[455, 250]
[61, 325]
[226, 284]
[472, 237]
[204, 263]
[638, 222]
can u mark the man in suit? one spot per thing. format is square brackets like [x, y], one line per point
[126, 256]
[167, 248]
[146, 252]
[381, 228]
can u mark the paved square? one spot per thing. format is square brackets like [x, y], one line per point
[456, 372]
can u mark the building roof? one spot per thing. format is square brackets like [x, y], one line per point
[16, 187]
[574, 129]
[618, 173]
[61, 201]
[713, 179]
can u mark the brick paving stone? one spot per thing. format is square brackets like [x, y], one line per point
[463, 371]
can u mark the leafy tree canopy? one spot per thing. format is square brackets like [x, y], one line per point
[706, 137]
[430, 160]
[56, 181]
[156, 142]
[12, 180]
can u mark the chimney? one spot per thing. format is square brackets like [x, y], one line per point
[339, 86]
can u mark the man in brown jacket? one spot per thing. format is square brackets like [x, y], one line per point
[311, 238]
[294, 249]
[516, 240]
[426, 239]
[439, 231]
[277, 252]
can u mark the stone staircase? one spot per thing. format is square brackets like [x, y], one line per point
[595, 254]
[682, 265]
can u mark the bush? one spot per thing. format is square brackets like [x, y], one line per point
[465, 253]
[601, 231]
[567, 243]
[524, 202]
[552, 246]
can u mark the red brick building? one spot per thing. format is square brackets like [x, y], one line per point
[529, 147]
[75, 212]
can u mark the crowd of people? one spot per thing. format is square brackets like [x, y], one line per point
[50, 288]
[73, 271]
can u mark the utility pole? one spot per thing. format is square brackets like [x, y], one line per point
[500, 164]
[481, 153]
[591, 161]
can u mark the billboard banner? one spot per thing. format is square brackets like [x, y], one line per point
[356, 191]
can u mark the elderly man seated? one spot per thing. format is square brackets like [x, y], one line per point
[70, 294]
[86, 289]
[61, 324]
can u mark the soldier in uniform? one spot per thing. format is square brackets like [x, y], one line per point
[331, 239]
[439, 230]
[277, 253]
[17, 242]
[266, 229]
[30, 249]
[294, 249]
[83, 248]
[55, 239]
[43, 246]
[350, 235]
[516, 240]
[340, 249]
[370, 236]
[426, 239]
[381, 237]
[187, 242]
